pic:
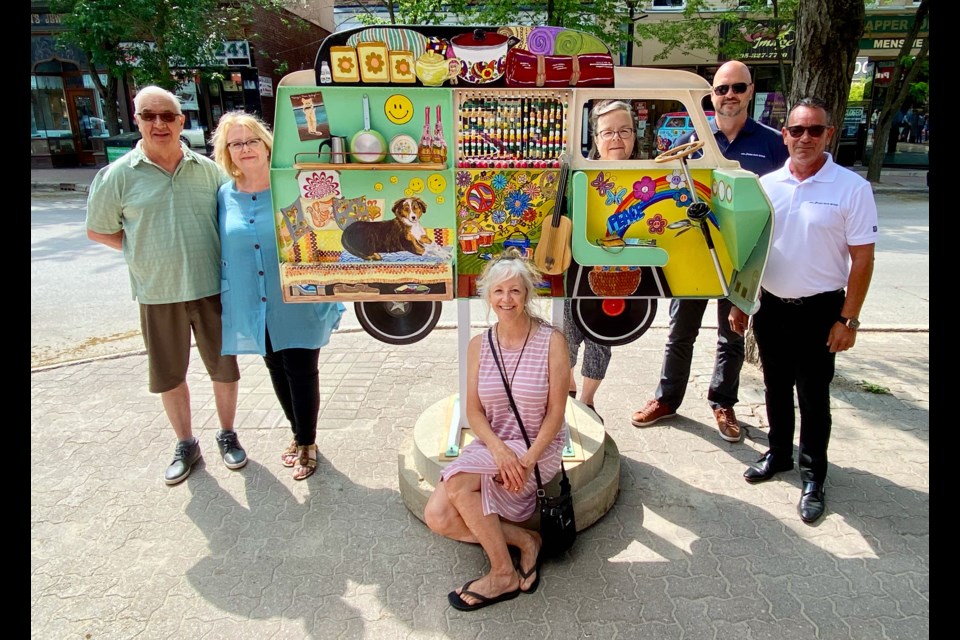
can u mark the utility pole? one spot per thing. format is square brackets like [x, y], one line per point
[633, 18]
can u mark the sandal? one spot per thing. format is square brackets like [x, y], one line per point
[306, 462]
[289, 455]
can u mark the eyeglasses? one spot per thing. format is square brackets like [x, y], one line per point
[166, 116]
[738, 87]
[815, 130]
[610, 134]
[253, 144]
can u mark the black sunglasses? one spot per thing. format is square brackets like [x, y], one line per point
[815, 130]
[738, 87]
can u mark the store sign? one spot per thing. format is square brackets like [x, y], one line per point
[232, 53]
[761, 39]
[890, 32]
[884, 73]
[266, 86]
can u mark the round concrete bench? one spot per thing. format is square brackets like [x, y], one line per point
[593, 470]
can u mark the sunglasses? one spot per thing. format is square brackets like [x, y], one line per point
[152, 117]
[815, 130]
[738, 87]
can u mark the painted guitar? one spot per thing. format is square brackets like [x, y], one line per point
[552, 255]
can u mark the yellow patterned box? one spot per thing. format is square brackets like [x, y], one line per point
[373, 59]
[343, 64]
[401, 67]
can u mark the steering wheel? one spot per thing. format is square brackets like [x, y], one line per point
[680, 152]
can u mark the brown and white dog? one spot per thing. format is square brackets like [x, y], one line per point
[368, 239]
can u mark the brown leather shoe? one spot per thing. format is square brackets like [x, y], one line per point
[650, 413]
[727, 423]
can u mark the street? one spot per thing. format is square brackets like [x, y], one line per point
[81, 305]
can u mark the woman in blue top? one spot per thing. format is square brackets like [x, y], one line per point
[255, 318]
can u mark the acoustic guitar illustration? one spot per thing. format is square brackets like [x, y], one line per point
[553, 254]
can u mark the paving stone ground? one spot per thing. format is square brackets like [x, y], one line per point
[688, 551]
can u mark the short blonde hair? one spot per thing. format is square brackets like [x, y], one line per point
[238, 119]
[509, 264]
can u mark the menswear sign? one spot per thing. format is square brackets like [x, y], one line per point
[889, 32]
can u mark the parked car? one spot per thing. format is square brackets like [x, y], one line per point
[194, 138]
[673, 126]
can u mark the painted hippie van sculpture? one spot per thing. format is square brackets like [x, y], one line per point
[411, 155]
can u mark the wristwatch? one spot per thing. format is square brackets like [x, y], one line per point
[850, 323]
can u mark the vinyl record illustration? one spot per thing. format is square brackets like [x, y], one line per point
[398, 322]
[613, 321]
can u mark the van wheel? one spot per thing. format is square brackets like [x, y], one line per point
[398, 322]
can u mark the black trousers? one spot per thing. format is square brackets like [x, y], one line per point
[792, 339]
[296, 380]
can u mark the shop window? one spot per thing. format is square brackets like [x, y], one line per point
[49, 117]
[667, 5]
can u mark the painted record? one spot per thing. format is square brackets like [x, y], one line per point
[398, 322]
[613, 321]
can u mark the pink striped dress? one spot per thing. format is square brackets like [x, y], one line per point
[530, 387]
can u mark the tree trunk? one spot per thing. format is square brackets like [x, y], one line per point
[828, 41]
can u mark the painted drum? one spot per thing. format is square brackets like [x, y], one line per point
[482, 55]
[403, 148]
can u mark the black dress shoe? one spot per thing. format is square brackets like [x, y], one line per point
[766, 468]
[812, 502]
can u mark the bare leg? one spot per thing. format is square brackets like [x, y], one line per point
[573, 382]
[590, 386]
[463, 492]
[529, 544]
[176, 404]
[225, 396]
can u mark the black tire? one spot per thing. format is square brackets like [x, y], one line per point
[596, 323]
[398, 322]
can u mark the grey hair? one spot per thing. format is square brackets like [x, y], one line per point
[509, 264]
[153, 90]
[812, 102]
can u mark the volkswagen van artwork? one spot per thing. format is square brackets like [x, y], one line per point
[673, 126]
[410, 156]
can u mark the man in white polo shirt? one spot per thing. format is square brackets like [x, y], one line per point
[813, 287]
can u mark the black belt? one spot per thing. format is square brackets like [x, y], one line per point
[801, 300]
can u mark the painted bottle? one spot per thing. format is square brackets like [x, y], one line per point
[439, 144]
[425, 148]
[325, 76]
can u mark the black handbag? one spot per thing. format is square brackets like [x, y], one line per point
[558, 526]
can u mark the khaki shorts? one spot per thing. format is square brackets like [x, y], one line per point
[166, 334]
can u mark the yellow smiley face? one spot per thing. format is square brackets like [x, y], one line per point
[440, 200]
[378, 186]
[398, 109]
[393, 180]
[416, 185]
[408, 192]
[436, 183]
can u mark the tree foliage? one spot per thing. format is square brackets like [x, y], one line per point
[160, 42]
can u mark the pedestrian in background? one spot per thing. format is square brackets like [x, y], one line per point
[816, 279]
[614, 138]
[759, 149]
[255, 317]
[158, 204]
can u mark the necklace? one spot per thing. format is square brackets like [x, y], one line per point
[520, 357]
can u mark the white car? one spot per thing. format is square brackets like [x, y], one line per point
[194, 138]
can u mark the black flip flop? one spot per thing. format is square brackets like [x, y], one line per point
[526, 574]
[458, 603]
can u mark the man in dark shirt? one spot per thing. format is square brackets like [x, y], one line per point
[759, 149]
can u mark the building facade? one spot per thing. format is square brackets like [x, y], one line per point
[67, 112]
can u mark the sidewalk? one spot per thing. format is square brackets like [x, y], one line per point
[892, 180]
[689, 550]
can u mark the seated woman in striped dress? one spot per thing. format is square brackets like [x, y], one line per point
[490, 488]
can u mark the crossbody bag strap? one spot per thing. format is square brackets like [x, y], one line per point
[516, 412]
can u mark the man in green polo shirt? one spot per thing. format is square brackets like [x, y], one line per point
[158, 204]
